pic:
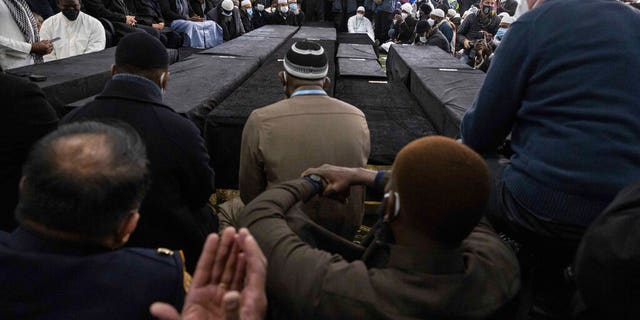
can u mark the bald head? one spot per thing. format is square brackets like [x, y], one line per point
[443, 187]
[84, 178]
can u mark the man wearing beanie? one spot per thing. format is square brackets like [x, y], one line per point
[228, 17]
[432, 257]
[174, 213]
[307, 129]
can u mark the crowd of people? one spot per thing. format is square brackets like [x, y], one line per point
[106, 211]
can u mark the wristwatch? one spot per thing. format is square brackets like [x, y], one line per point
[317, 182]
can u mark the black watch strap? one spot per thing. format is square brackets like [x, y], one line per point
[317, 182]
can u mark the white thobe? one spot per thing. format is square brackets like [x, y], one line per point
[355, 25]
[81, 36]
[14, 50]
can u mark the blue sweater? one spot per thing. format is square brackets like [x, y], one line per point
[566, 82]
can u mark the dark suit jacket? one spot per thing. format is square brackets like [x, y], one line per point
[53, 279]
[27, 117]
[171, 215]
[170, 11]
[112, 10]
[197, 7]
[147, 12]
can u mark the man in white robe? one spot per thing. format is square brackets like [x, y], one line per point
[79, 32]
[20, 43]
[360, 24]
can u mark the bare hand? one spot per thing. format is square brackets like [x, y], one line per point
[467, 43]
[196, 19]
[131, 20]
[158, 26]
[42, 47]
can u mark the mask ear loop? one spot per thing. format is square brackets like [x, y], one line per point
[396, 208]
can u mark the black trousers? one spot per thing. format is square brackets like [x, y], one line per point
[122, 29]
[382, 21]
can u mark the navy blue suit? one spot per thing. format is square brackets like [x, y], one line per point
[46, 278]
[172, 214]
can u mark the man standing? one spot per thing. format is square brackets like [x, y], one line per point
[360, 24]
[20, 43]
[174, 214]
[432, 257]
[79, 197]
[79, 32]
[382, 17]
[307, 129]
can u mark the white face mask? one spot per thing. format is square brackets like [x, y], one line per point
[431, 22]
[260, 7]
[404, 15]
[359, 15]
[284, 9]
[423, 39]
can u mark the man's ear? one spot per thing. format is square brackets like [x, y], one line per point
[126, 228]
[164, 80]
[113, 70]
[283, 78]
[326, 84]
[390, 208]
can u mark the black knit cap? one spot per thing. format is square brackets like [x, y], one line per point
[141, 50]
[306, 60]
[426, 9]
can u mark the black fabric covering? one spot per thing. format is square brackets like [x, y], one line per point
[74, 78]
[200, 83]
[445, 95]
[359, 51]
[273, 31]
[402, 58]
[311, 33]
[360, 68]
[358, 38]
[393, 115]
[224, 125]
[247, 46]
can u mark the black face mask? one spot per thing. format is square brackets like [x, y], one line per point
[71, 13]
[486, 10]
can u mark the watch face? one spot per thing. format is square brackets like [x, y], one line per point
[315, 178]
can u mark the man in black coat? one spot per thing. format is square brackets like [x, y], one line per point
[481, 25]
[201, 7]
[175, 213]
[122, 17]
[27, 117]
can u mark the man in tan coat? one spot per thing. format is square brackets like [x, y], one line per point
[306, 130]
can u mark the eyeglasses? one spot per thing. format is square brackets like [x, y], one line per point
[396, 197]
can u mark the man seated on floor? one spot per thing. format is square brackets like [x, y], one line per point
[122, 17]
[431, 259]
[427, 35]
[307, 129]
[80, 192]
[78, 32]
[175, 212]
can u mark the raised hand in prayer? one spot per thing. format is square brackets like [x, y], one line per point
[340, 179]
[131, 20]
[229, 282]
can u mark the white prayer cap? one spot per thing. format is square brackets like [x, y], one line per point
[407, 7]
[282, 2]
[245, 3]
[360, 8]
[438, 13]
[452, 13]
[227, 5]
[507, 20]
[503, 14]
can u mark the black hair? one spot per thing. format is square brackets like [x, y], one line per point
[89, 198]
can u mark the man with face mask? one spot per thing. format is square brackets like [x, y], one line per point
[79, 32]
[480, 25]
[284, 15]
[260, 16]
[246, 14]
[427, 35]
[440, 22]
[228, 17]
[360, 24]
[174, 213]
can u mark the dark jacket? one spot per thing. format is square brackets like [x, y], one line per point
[508, 6]
[473, 24]
[436, 38]
[170, 11]
[53, 279]
[231, 28]
[147, 12]
[469, 282]
[45, 8]
[246, 21]
[112, 10]
[259, 19]
[27, 117]
[182, 181]
[196, 6]
[403, 31]
[289, 19]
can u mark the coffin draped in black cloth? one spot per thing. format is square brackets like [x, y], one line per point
[402, 58]
[359, 38]
[313, 33]
[354, 67]
[224, 125]
[445, 95]
[393, 115]
[358, 51]
[74, 78]
[247, 46]
[272, 31]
